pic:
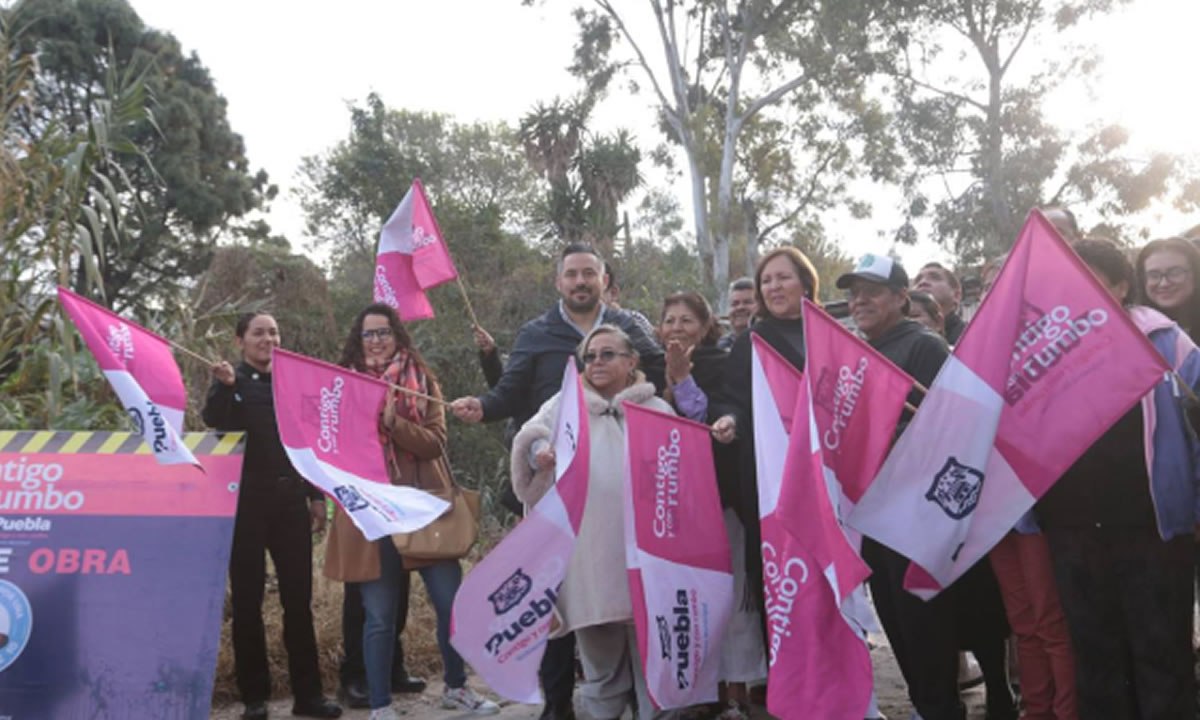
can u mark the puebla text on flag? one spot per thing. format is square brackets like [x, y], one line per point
[142, 371]
[505, 609]
[680, 571]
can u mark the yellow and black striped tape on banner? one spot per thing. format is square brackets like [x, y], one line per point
[103, 442]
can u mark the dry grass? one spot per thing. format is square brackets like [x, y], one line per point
[420, 639]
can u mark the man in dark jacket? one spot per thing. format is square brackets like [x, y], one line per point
[922, 634]
[533, 374]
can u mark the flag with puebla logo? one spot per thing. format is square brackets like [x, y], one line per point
[412, 257]
[680, 572]
[505, 608]
[1049, 362]
[328, 419]
[142, 371]
[818, 664]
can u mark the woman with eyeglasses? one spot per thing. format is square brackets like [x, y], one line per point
[1166, 272]
[593, 601]
[413, 434]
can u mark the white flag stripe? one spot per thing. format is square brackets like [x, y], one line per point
[410, 509]
[769, 434]
[163, 440]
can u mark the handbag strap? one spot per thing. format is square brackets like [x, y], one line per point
[448, 478]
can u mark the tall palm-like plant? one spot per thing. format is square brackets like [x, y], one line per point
[588, 175]
[58, 208]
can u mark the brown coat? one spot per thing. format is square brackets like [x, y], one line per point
[350, 557]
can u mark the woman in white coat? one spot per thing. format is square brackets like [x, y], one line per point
[593, 601]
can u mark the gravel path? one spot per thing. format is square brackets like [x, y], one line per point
[889, 685]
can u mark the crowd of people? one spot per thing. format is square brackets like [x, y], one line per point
[1096, 584]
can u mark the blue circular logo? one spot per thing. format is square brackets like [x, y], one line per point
[16, 623]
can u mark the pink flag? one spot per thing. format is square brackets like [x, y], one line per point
[680, 572]
[819, 665]
[412, 257]
[505, 608]
[328, 419]
[142, 371]
[847, 376]
[1049, 362]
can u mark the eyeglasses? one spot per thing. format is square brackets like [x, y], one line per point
[379, 334]
[606, 356]
[1171, 275]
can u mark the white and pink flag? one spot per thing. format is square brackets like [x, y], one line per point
[1049, 362]
[141, 369]
[505, 608]
[328, 418]
[818, 664]
[680, 572]
[857, 398]
[412, 257]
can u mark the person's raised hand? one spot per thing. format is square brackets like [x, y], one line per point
[467, 409]
[223, 373]
[724, 430]
[483, 340]
[545, 459]
[679, 361]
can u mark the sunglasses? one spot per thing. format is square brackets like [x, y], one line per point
[379, 334]
[606, 356]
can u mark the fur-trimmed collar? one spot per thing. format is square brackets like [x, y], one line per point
[638, 393]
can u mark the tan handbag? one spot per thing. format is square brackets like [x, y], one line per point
[450, 536]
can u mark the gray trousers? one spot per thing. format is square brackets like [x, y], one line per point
[612, 673]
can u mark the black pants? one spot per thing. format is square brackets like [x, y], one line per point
[353, 619]
[1128, 596]
[557, 674]
[922, 635]
[276, 521]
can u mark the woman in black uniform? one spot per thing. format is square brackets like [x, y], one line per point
[277, 513]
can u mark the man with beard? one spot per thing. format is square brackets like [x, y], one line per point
[533, 374]
[742, 307]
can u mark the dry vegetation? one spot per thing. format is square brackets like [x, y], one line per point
[420, 641]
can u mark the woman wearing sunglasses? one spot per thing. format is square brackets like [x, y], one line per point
[413, 434]
[594, 598]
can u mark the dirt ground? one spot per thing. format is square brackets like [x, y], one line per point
[893, 700]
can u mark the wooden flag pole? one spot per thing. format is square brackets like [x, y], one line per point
[417, 393]
[190, 353]
[467, 300]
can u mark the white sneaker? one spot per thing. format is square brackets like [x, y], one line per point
[384, 713]
[464, 698]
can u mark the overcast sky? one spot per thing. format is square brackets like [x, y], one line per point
[288, 70]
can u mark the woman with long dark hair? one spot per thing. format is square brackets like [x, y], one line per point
[413, 431]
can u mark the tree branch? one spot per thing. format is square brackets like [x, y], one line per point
[1024, 34]
[770, 98]
[671, 111]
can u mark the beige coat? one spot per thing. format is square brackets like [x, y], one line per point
[349, 556]
[596, 588]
